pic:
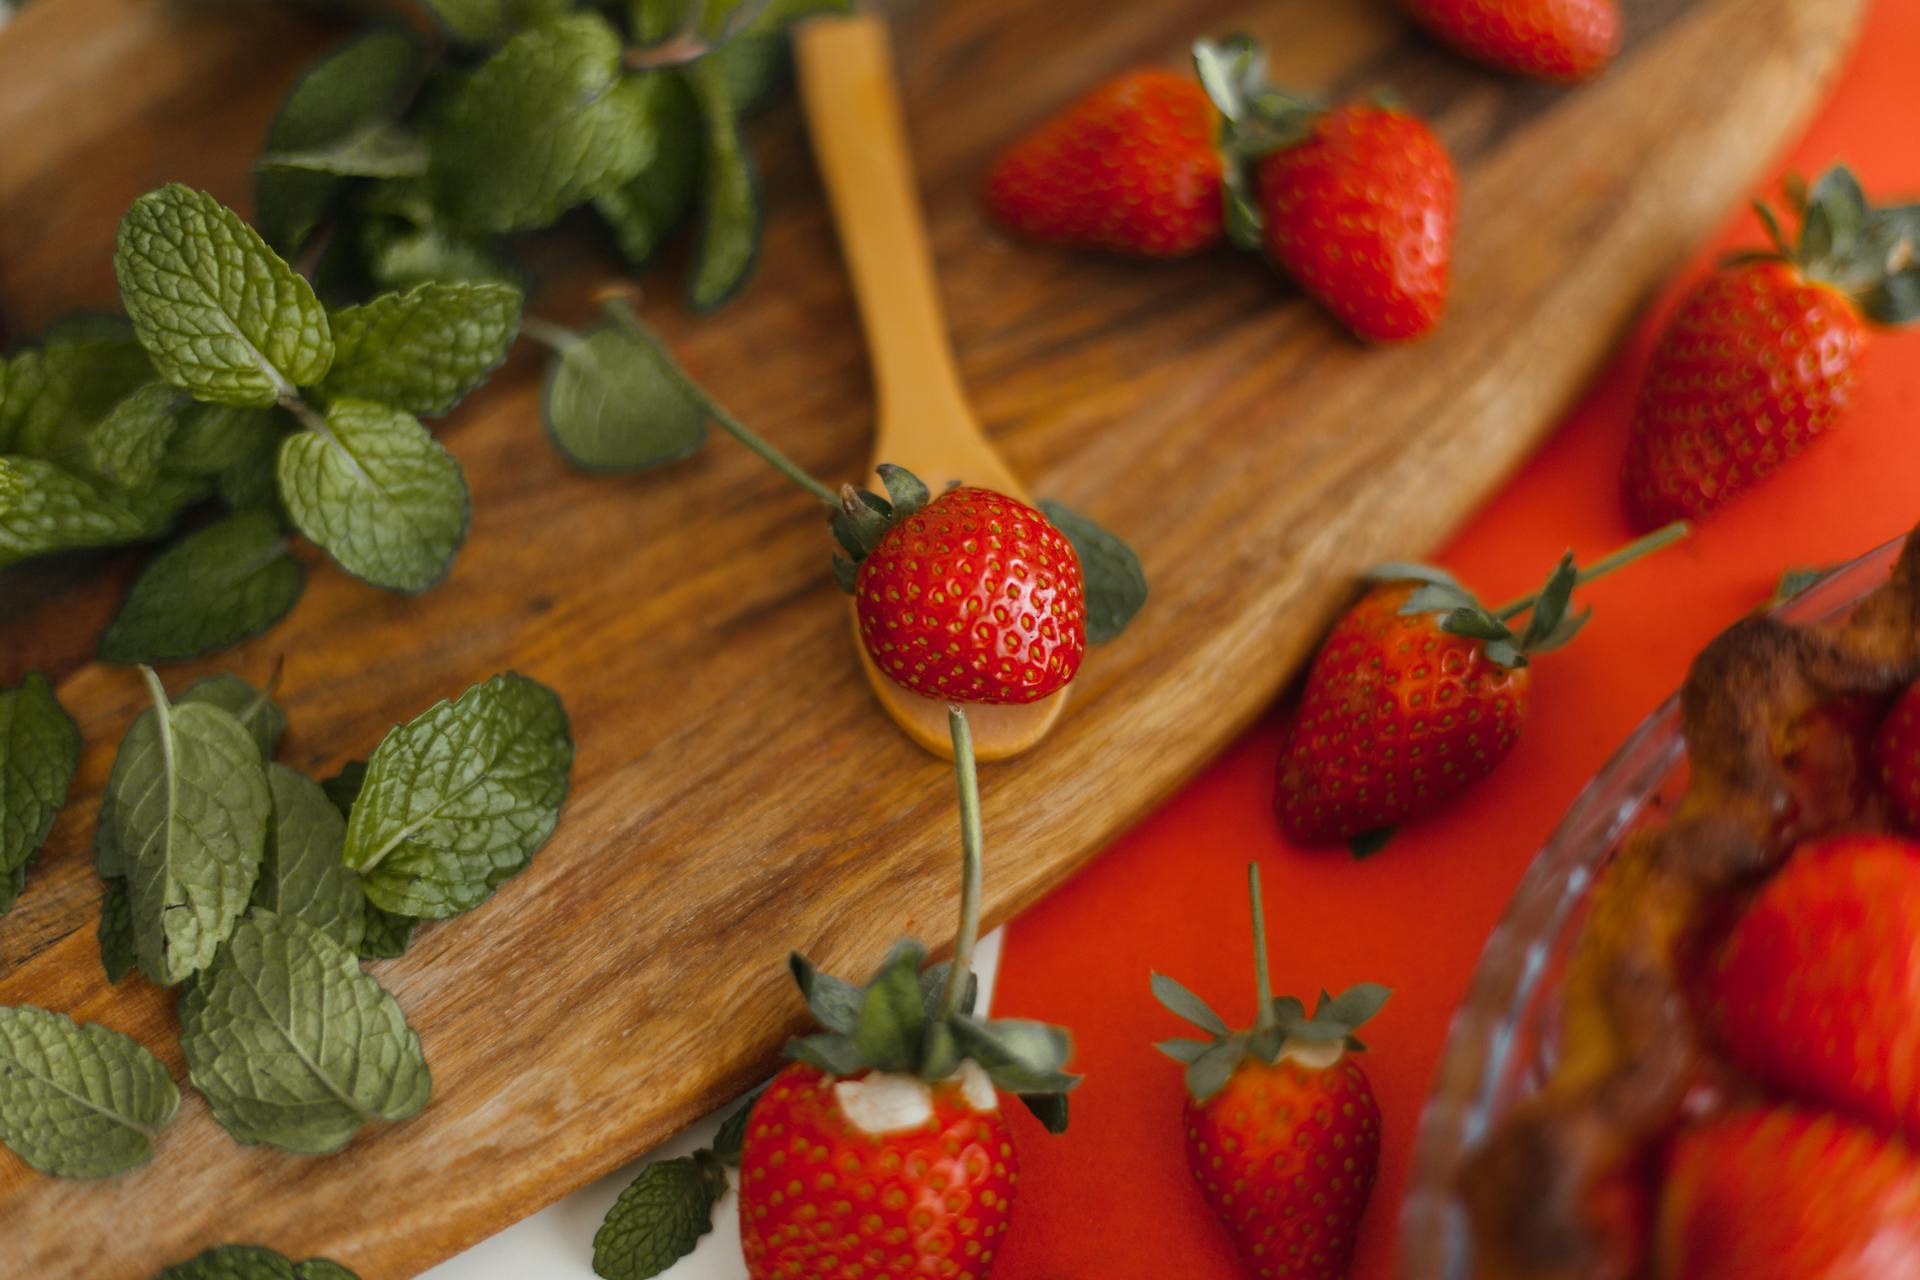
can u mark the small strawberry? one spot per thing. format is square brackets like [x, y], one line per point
[1897, 754]
[881, 1150]
[1418, 692]
[1561, 40]
[1130, 168]
[1356, 202]
[1784, 1194]
[972, 596]
[1816, 991]
[1283, 1134]
[1759, 360]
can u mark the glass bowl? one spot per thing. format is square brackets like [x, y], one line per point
[1504, 1038]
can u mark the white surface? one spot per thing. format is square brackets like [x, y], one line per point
[557, 1242]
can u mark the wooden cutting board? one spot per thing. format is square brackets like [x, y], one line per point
[737, 794]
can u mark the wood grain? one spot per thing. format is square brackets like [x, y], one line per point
[737, 793]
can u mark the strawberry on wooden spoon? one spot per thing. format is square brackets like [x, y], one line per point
[1417, 693]
[1759, 361]
[881, 1150]
[1784, 1194]
[1130, 168]
[1562, 40]
[1282, 1131]
[1355, 202]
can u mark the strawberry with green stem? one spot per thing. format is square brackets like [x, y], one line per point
[1417, 692]
[1355, 202]
[880, 1150]
[969, 595]
[1282, 1130]
[1130, 168]
[1760, 359]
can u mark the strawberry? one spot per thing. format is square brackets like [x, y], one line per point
[1816, 991]
[1283, 1134]
[1759, 360]
[1355, 203]
[1896, 752]
[1561, 40]
[1418, 692]
[1783, 1194]
[881, 1149]
[1130, 168]
[970, 597]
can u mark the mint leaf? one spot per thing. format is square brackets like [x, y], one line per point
[403, 240]
[115, 930]
[252, 1262]
[301, 876]
[218, 311]
[376, 151]
[386, 936]
[208, 439]
[1116, 586]
[547, 122]
[213, 588]
[729, 239]
[56, 393]
[460, 797]
[378, 494]
[358, 86]
[78, 1100]
[611, 405]
[659, 1218]
[254, 708]
[646, 210]
[291, 1044]
[39, 750]
[187, 800]
[424, 349]
[125, 448]
[44, 507]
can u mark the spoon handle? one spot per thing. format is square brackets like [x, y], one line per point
[853, 113]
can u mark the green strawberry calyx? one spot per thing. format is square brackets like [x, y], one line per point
[1551, 622]
[1865, 251]
[1282, 1028]
[916, 1019]
[861, 518]
[1256, 119]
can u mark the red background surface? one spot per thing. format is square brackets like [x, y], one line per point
[1112, 1198]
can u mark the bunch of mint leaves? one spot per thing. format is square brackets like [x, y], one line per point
[259, 892]
[394, 161]
[229, 379]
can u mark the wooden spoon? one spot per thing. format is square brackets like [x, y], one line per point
[925, 425]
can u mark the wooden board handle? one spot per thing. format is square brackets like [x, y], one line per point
[853, 113]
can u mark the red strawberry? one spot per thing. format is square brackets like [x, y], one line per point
[1816, 991]
[974, 597]
[1784, 1194]
[1130, 168]
[1283, 1134]
[1758, 362]
[1897, 753]
[1564, 40]
[1355, 203]
[882, 1150]
[1417, 693]
[823, 1197]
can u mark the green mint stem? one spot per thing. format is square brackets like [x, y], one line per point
[154, 687]
[1601, 568]
[1264, 1019]
[548, 334]
[970, 863]
[624, 317]
[309, 416]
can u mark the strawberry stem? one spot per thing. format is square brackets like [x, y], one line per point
[1263, 1019]
[968, 778]
[1601, 568]
[623, 316]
